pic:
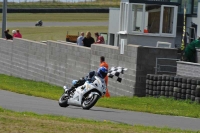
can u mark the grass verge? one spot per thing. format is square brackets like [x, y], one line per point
[157, 106]
[56, 33]
[11, 121]
[56, 4]
[57, 17]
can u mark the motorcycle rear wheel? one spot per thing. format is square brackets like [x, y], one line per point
[63, 101]
[89, 103]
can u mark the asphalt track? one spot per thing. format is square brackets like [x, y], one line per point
[19, 102]
[50, 24]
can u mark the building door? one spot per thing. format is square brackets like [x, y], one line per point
[112, 39]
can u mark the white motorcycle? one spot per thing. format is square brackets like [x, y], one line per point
[84, 96]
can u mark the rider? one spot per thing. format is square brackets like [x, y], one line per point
[190, 50]
[102, 73]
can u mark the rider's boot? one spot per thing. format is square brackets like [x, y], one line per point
[71, 89]
[77, 84]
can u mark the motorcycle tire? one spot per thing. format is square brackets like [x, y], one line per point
[63, 101]
[92, 101]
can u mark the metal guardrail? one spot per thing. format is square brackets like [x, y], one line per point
[158, 66]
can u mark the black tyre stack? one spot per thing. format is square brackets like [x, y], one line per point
[180, 88]
[167, 85]
[162, 89]
[149, 85]
[171, 86]
[197, 92]
[193, 89]
[175, 91]
[159, 84]
[155, 79]
[183, 88]
[188, 89]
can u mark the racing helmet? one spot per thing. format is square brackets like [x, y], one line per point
[102, 72]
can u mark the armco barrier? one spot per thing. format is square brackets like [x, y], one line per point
[178, 87]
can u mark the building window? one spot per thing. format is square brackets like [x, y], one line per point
[137, 16]
[156, 20]
[152, 18]
[167, 24]
[188, 4]
[168, 20]
[195, 7]
[191, 6]
[124, 17]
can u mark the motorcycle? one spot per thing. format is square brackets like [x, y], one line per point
[39, 23]
[89, 93]
[84, 96]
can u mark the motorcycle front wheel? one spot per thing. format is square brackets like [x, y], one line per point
[90, 102]
[63, 101]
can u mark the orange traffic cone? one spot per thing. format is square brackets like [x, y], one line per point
[107, 93]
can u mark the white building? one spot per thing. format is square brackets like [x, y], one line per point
[145, 22]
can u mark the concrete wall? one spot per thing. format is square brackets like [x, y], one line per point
[6, 57]
[65, 62]
[59, 63]
[128, 60]
[198, 55]
[54, 62]
[188, 69]
[139, 60]
[146, 62]
[149, 40]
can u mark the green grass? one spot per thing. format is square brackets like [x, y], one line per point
[145, 104]
[165, 106]
[11, 121]
[97, 4]
[56, 33]
[29, 87]
[57, 17]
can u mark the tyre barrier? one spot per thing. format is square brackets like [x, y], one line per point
[177, 87]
